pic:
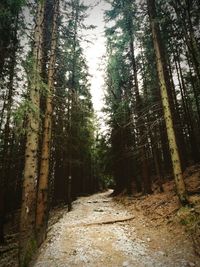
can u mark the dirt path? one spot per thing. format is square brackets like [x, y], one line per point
[87, 237]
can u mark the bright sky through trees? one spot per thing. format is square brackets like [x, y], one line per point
[94, 51]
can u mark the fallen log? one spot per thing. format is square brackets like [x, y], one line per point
[104, 222]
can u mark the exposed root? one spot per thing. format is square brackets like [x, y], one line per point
[104, 222]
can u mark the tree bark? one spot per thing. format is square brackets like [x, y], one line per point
[42, 194]
[186, 106]
[27, 243]
[7, 105]
[180, 186]
[140, 122]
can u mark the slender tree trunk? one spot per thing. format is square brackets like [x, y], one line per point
[4, 97]
[153, 135]
[185, 19]
[180, 186]
[156, 157]
[140, 123]
[6, 133]
[165, 148]
[28, 208]
[189, 122]
[175, 111]
[194, 89]
[69, 167]
[5, 166]
[184, 115]
[158, 168]
[42, 195]
[194, 48]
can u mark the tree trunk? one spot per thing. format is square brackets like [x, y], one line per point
[186, 106]
[194, 89]
[27, 219]
[140, 123]
[183, 13]
[3, 99]
[6, 134]
[180, 186]
[42, 194]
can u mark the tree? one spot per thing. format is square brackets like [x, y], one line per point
[73, 131]
[27, 217]
[42, 192]
[122, 36]
[181, 191]
[10, 23]
[8, 19]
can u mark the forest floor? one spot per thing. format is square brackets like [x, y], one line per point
[102, 231]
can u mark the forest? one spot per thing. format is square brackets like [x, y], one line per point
[53, 149]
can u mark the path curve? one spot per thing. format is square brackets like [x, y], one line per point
[97, 233]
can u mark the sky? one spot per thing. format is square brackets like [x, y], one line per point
[94, 51]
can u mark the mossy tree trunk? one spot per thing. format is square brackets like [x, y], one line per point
[180, 186]
[28, 208]
[42, 196]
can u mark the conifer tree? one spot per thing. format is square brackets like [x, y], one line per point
[42, 191]
[181, 191]
[28, 208]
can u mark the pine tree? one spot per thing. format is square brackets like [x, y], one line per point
[28, 208]
[9, 46]
[181, 191]
[42, 192]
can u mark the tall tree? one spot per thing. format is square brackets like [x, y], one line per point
[73, 113]
[8, 61]
[123, 13]
[42, 193]
[181, 191]
[28, 208]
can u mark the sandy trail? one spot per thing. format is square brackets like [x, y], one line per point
[79, 239]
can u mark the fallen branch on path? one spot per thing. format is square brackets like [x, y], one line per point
[105, 222]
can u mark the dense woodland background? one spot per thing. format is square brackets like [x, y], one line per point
[51, 147]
